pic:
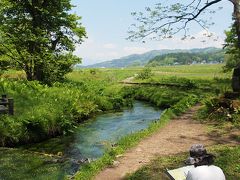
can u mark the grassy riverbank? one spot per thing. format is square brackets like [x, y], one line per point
[43, 112]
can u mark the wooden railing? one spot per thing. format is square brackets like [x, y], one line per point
[6, 105]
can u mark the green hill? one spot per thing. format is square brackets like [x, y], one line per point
[143, 59]
[183, 58]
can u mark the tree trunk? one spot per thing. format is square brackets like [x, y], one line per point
[39, 72]
[236, 71]
[236, 80]
[29, 73]
[34, 72]
[29, 76]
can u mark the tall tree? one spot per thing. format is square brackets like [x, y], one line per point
[39, 37]
[166, 21]
[233, 57]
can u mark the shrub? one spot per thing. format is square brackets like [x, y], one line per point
[221, 109]
[146, 73]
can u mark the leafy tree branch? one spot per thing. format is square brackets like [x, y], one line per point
[165, 21]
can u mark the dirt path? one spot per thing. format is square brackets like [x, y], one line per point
[175, 137]
[128, 80]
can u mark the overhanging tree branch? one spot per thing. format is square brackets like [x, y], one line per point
[203, 8]
[166, 21]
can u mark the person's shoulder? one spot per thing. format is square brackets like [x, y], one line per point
[206, 172]
[200, 168]
[215, 167]
[196, 173]
[206, 168]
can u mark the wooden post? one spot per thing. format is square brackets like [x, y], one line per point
[10, 106]
[4, 99]
[6, 105]
[3, 104]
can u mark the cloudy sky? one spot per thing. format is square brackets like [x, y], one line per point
[107, 23]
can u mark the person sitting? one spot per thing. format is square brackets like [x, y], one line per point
[203, 165]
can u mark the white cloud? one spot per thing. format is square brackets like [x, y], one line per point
[87, 42]
[106, 55]
[135, 50]
[99, 56]
[204, 39]
[109, 46]
[163, 46]
[84, 49]
[92, 51]
[198, 40]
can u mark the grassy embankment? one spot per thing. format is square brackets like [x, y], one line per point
[42, 112]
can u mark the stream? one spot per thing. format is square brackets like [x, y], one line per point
[88, 142]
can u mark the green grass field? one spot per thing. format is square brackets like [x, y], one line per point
[200, 71]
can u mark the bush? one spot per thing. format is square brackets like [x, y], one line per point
[146, 73]
[163, 97]
[221, 109]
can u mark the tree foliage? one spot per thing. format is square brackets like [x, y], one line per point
[38, 36]
[183, 58]
[232, 51]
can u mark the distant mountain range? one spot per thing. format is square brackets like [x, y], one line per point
[143, 59]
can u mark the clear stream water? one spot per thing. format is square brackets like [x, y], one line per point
[89, 141]
[92, 138]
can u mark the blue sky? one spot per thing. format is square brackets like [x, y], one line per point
[107, 23]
